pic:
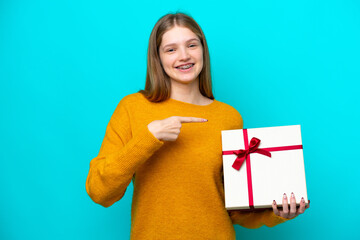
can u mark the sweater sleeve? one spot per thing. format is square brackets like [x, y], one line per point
[256, 219]
[121, 153]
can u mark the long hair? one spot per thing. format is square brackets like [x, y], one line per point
[158, 84]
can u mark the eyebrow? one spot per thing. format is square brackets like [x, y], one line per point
[192, 39]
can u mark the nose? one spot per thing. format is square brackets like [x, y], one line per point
[184, 54]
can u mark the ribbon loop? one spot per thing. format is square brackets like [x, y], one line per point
[243, 153]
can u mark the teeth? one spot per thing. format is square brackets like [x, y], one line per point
[186, 66]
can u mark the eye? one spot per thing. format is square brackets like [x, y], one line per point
[170, 50]
[192, 45]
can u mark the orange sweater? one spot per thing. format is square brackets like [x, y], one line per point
[178, 186]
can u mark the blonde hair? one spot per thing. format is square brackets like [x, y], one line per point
[158, 85]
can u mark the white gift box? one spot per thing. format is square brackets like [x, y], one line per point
[262, 179]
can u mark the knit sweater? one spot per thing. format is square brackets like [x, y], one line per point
[178, 185]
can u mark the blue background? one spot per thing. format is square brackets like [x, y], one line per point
[65, 65]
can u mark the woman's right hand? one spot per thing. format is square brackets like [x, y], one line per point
[168, 129]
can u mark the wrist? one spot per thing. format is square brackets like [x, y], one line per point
[153, 131]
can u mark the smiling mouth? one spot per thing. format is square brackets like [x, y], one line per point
[184, 67]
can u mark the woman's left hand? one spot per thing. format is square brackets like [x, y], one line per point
[285, 213]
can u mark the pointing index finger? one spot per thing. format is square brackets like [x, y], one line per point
[191, 119]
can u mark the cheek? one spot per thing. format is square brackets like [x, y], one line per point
[166, 62]
[200, 59]
[200, 56]
[166, 65]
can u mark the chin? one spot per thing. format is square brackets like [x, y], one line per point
[184, 80]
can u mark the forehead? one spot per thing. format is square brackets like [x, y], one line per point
[177, 35]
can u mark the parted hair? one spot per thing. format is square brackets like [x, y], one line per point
[158, 84]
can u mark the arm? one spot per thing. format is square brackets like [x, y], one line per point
[269, 217]
[256, 219]
[120, 155]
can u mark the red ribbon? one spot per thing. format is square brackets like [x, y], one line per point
[243, 154]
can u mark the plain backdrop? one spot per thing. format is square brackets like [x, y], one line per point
[65, 65]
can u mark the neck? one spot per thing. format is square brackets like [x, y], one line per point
[188, 92]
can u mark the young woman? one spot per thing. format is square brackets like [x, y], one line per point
[167, 139]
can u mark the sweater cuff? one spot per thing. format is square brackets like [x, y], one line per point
[139, 149]
[279, 219]
[151, 141]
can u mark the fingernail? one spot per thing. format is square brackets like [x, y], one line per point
[274, 202]
[292, 195]
[284, 195]
[205, 120]
[302, 199]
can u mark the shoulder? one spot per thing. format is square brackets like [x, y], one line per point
[224, 107]
[230, 115]
[129, 103]
[132, 100]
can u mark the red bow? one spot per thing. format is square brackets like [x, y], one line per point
[253, 148]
